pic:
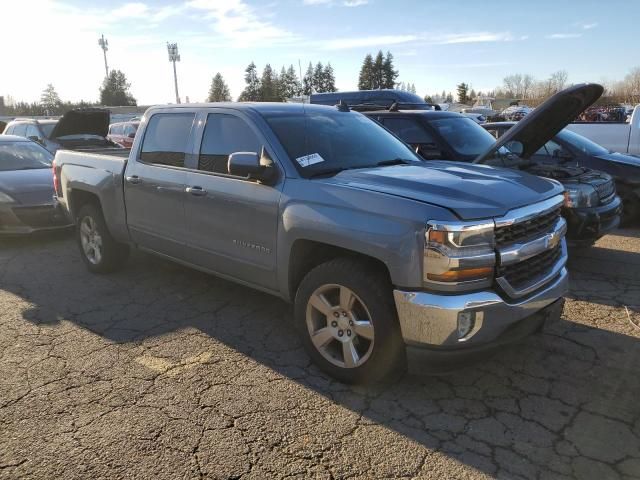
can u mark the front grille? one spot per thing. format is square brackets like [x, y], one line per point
[40, 217]
[521, 274]
[529, 229]
[605, 189]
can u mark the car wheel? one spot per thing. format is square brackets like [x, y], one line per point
[100, 252]
[630, 206]
[346, 315]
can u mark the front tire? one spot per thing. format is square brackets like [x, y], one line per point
[346, 316]
[100, 252]
[630, 206]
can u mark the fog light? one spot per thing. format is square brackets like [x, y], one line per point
[466, 322]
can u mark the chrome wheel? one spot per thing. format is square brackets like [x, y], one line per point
[91, 240]
[340, 326]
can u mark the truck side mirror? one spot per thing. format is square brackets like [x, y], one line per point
[251, 165]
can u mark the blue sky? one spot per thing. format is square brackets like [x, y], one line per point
[436, 43]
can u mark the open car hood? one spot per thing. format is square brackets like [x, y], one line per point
[543, 123]
[83, 121]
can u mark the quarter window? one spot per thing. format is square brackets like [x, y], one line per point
[166, 139]
[223, 135]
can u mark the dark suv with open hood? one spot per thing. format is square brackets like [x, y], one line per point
[79, 129]
[591, 206]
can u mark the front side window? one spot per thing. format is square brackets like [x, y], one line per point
[225, 134]
[319, 142]
[23, 156]
[32, 131]
[166, 139]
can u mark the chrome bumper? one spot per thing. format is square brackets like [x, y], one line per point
[431, 320]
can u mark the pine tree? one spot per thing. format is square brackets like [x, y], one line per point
[443, 96]
[428, 99]
[49, 100]
[219, 90]
[365, 79]
[449, 98]
[307, 81]
[318, 78]
[293, 82]
[378, 71]
[328, 79]
[115, 90]
[268, 85]
[251, 92]
[389, 74]
[462, 90]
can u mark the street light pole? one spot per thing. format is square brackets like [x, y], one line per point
[174, 57]
[104, 45]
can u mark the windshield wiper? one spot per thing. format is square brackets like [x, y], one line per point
[394, 161]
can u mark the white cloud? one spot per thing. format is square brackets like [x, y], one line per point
[359, 42]
[355, 3]
[239, 23]
[562, 36]
[317, 2]
[589, 26]
[474, 37]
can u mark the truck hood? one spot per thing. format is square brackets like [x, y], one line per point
[621, 158]
[28, 187]
[543, 123]
[470, 191]
[82, 121]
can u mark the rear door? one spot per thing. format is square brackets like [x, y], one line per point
[232, 221]
[155, 184]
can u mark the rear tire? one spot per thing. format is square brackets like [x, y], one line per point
[347, 319]
[100, 252]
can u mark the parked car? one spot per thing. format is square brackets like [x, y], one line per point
[621, 137]
[385, 258]
[568, 149]
[592, 207]
[123, 133]
[26, 188]
[383, 97]
[79, 129]
[476, 117]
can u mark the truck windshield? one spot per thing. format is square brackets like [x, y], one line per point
[328, 141]
[465, 137]
[583, 144]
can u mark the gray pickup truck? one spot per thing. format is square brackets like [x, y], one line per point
[387, 259]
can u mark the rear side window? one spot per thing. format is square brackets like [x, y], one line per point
[223, 135]
[166, 139]
[20, 129]
[408, 130]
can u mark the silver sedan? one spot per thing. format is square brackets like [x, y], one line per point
[26, 188]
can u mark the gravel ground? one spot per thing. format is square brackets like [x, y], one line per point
[162, 372]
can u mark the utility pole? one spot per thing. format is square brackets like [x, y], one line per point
[174, 57]
[104, 45]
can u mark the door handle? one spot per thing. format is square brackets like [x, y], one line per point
[133, 179]
[196, 191]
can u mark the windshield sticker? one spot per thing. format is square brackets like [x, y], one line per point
[309, 160]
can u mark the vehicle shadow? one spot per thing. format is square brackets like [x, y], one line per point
[560, 395]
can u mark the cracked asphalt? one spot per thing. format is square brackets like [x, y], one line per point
[163, 372]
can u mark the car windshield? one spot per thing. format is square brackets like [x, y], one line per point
[583, 144]
[23, 156]
[47, 128]
[464, 136]
[331, 141]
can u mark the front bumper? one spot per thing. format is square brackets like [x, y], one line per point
[585, 225]
[429, 322]
[24, 220]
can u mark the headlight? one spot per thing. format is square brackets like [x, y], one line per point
[579, 196]
[459, 256]
[4, 198]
